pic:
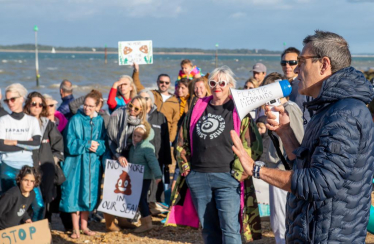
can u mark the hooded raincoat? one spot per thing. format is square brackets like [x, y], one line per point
[81, 166]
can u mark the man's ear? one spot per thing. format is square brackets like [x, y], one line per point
[326, 66]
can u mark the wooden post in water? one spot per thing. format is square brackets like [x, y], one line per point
[36, 55]
[106, 55]
[216, 55]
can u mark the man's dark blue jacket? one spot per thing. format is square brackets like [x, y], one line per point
[333, 171]
[64, 107]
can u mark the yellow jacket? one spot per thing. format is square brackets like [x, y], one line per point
[169, 108]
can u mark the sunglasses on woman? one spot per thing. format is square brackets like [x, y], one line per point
[290, 62]
[35, 104]
[213, 83]
[133, 107]
[12, 99]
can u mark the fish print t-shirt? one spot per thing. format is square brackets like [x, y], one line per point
[212, 152]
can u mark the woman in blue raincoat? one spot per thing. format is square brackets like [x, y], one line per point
[84, 144]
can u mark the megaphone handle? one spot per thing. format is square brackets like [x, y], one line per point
[273, 104]
[276, 113]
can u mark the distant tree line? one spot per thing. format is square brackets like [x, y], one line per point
[156, 49]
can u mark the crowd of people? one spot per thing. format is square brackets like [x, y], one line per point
[316, 158]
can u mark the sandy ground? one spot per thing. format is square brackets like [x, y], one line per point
[158, 235]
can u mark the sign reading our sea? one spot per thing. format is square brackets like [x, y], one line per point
[122, 188]
[140, 52]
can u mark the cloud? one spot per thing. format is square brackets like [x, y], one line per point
[238, 15]
[154, 8]
[81, 9]
[277, 4]
[361, 1]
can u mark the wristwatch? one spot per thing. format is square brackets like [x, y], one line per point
[256, 169]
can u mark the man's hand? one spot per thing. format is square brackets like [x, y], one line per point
[284, 120]
[246, 161]
[122, 161]
[136, 67]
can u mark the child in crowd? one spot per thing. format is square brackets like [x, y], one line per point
[188, 70]
[143, 152]
[15, 203]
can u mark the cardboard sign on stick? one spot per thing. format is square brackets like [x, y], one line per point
[34, 233]
[122, 188]
[139, 52]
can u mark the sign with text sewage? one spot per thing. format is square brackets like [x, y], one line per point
[140, 52]
[122, 188]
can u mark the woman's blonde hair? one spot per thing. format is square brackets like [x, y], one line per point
[203, 79]
[17, 88]
[224, 71]
[146, 129]
[253, 81]
[132, 84]
[143, 106]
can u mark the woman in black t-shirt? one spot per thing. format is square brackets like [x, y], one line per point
[213, 174]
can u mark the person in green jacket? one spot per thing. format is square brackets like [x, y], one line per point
[84, 140]
[142, 152]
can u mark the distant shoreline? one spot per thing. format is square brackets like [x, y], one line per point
[155, 53]
[163, 53]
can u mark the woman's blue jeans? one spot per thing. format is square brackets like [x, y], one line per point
[216, 197]
[8, 180]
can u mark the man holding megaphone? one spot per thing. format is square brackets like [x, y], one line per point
[330, 182]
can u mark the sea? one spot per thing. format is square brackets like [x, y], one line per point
[89, 71]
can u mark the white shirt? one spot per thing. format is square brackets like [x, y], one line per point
[165, 97]
[20, 130]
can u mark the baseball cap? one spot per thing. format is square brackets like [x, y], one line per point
[259, 67]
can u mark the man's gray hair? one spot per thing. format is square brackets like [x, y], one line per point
[150, 94]
[227, 72]
[331, 45]
[17, 88]
[66, 86]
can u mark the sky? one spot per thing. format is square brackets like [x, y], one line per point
[233, 24]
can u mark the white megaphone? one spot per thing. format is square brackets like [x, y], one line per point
[249, 99]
